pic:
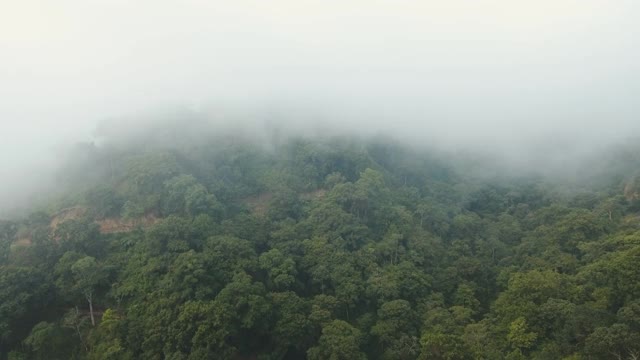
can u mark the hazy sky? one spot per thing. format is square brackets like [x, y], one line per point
[481, 72]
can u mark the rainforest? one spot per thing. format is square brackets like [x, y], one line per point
[332, 247]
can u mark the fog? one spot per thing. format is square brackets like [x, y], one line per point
[535, 80]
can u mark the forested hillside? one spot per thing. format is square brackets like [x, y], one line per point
[334, 248]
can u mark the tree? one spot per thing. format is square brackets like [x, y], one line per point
[46, 341]
[172, 234]
[396, 330]
[81, 235]
[185, 195]
[617, 340]
[104, 201]
[339, 341]
[370, 194]
[107, 340]
[347, 283]
[8, 230]
[189, 277]
[440, 346]
[88, 274]
[73, 320]
[202, 329]
[247, 300]
[480, 342]
[518, 335]
[23, 292]
[291, 327]
[281, 270]
[401, 281]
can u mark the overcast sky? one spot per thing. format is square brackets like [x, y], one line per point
[467, 72]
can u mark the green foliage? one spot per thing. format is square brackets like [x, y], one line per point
[319, 249]
[518, 336]
[47, 341]
[281, 271]
[339, 341]
[23, 291]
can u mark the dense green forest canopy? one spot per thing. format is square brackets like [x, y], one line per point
[334, 248]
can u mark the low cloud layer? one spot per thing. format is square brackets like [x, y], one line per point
[498, 75]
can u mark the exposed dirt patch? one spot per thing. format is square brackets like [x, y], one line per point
[107, 226]
[259, 204]
[21, 243]
[313, 195]
[63, 215]
[118, 225]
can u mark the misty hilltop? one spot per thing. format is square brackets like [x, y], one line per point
[509, 77]
[343, 180]
[190, 242]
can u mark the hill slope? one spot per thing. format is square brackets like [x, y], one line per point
[319, 249]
